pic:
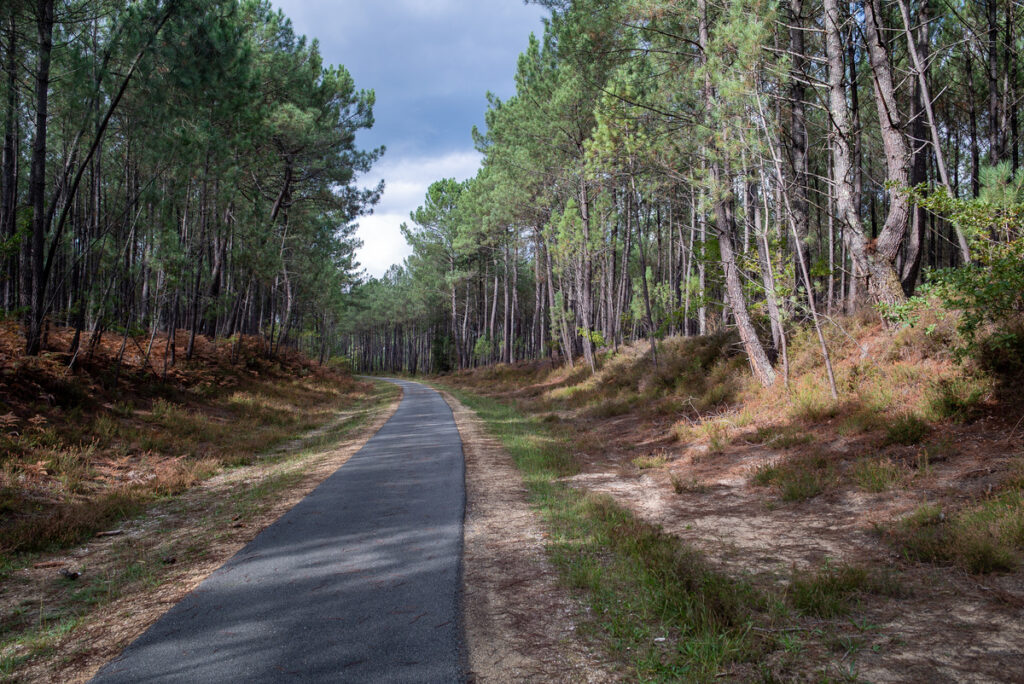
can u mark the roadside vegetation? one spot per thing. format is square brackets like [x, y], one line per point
[114, 483]
[861, 505]
[655, 603]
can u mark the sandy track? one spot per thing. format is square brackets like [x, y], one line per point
[520, 624]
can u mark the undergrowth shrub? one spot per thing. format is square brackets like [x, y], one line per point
[877, 474]
[650, 461]
[717, 434]
[683, 431]
[799, 478]
[932, 334]
[826, 592]
[859, 420]
[812, 402]
[906, 428]
[959, 397]
[988, 293]
[609, 408]
[829, 590]
[703, 368]
[67, 524]
[1001, 352]
[982, 538]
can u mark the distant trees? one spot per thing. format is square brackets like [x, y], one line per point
[671, 167]
[174, 164]
[662, 168]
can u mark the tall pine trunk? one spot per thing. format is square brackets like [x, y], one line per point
[725, 228]
[37, 179]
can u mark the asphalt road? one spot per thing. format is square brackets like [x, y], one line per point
[359, 582]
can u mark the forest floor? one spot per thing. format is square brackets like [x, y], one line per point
[120, 490]
[881, 536]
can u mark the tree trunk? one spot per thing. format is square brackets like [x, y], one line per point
[9, 177]
[648, 318]
[918, 47]
[585, 293]
[884, 286]
[798, 127]
[725, 227]
[922, 103]
[973, 122]
[37, 178]
[995, 151]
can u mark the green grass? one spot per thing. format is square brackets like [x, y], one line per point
[693, 486]
[640, 582]
[827, 591]
[832, 589]
[37, 631]
[797, 479]
[981, 538]
[861, 420]
[780, 436]
[38, 642]
[812, 403]
[906, 428]
[877, 474]
[650, 461]
[717, 434]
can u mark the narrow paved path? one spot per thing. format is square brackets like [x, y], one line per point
[359, 582]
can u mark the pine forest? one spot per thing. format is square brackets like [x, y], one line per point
[698, 358]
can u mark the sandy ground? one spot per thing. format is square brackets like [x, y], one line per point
[520, 624]
[948, 626]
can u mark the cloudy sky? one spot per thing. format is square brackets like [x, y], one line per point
[430, 62]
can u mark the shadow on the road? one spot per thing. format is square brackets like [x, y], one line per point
[358, 582]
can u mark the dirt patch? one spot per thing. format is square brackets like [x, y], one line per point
[947, 626]
[698, 479]
[520, 624]
[172, 549]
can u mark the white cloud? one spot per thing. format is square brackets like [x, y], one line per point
[383, 244]
[430, 63]
[405, 184]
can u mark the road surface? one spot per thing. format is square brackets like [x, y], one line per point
[359, 582]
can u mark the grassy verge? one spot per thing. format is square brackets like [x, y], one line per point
[181, 534]
[986, 536]
[655, 603]
[69, 472]
[831, 590]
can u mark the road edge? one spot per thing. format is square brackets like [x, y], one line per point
[166, 595]
[520, 623]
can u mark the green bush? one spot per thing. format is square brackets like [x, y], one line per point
[877, 474]
[958, 397]
[906, 428]
[983, 538]
[827, 592]
[797, 479]
[990, 290]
